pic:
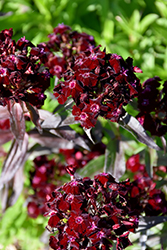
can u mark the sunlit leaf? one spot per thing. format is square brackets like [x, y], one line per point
[47, 139]
[88, 132]
[147, 21]
[92, 167]
[131, 124]
[71, 135]
[52, 121]
[147, 222]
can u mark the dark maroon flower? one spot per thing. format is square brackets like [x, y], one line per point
[106, 81]
[68, 43]
[33, 209]
[86, 118]
[144, 196]
[92, 213]
[152, 106]
[22, 75]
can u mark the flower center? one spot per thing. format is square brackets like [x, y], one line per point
[83, 116]
[95, 108]
[57, 69]
[79, 220]
[93, 57]
[13, 58]
[2, 72]
[72, 84]
[86, 75]
[100, 234]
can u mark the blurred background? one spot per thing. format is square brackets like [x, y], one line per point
[134, 28]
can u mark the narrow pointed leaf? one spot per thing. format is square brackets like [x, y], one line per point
[69, 120]
[34, 114]
[17, 187]
[5, 136]
[17, 121]
[51, 122]
[163, 140]
[114, 158]
[147, 222]
[71, 135]
[15, 160]
[88, 132]
[47, 139]
[131, 124]
[146, 21]
[119, 164]
[4, 196]
[110, 155]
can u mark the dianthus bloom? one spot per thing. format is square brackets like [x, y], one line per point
[153, 106]
[100, 84]
[90, 214]
[144, 196]
[63, 44]
[22, 76]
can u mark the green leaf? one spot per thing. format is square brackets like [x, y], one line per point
[147, 21]
[110, 155]
[92, 167]
[108, 30]
[42, 7]
[134, 20]
[162, 8]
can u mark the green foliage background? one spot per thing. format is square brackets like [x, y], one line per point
[134, 28]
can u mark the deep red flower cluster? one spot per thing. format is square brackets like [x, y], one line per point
[90, 214]
[152, 104]
[144, 196]
[43, 184]
[63, 44]
[46, 175]
[100, 84]
[22, 75]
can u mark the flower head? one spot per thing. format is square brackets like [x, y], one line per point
[105, 82]
[22, 76]
[92, 214]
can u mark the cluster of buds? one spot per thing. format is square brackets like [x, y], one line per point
[100, 84]
[152, 105]
[22, 76]
[91, 214]
[144, 196]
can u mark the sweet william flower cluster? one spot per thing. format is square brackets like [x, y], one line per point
[22, 76]
[90, 214]
[100, 84]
